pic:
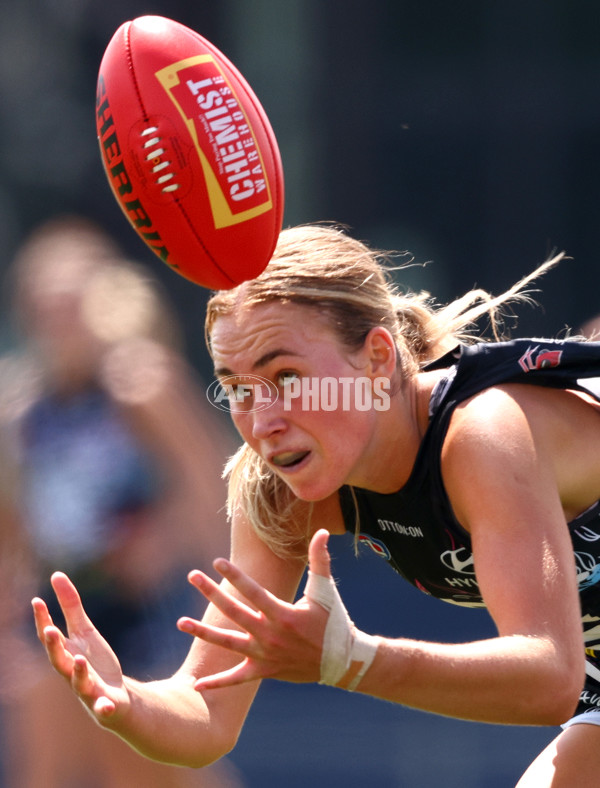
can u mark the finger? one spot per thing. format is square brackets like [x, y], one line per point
[259, 597]
[86, 688]
[81, 680]
[41, 617]
[104, 707]
[60, 658]
[235, 610]
[319, 560]
[232, 607]
[240, 674]
[70, 603]
[85, 685]
[230, 639]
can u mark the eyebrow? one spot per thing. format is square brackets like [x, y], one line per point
[261, 362]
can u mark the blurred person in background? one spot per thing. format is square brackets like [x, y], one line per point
[118, 458]
[20, 663]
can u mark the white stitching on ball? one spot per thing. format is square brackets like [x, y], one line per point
[156, 153]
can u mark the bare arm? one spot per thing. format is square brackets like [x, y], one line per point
[166, 720]
[504, 487]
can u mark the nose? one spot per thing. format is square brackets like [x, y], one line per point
[268, 422]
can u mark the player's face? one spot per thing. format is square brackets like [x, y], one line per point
[308, 421]
[56, 327]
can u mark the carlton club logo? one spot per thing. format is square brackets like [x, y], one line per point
[539, 358]
[252, 393]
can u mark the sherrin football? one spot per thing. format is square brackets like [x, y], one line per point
[189, 152]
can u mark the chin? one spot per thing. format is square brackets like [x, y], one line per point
[314, 482]
[311, 493]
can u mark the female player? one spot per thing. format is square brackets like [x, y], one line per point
[473, 466]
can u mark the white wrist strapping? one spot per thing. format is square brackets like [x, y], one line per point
[343, 643]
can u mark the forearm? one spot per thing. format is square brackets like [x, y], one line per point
[507, 680]
[169, 721]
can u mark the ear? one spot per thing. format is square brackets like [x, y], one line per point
[380, 352]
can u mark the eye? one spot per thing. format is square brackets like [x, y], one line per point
[239, 395]
[239, 392]
[287, 378]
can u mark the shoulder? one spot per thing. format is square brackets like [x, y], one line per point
[490, 447]
[491, 417]
[519, 440]
[517, 410]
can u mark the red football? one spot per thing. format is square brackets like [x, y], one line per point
[189, 152]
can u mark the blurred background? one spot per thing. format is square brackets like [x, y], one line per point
[464, 132]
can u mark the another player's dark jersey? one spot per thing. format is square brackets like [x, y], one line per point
[415, 529]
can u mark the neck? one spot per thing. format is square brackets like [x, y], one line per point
[391, 457]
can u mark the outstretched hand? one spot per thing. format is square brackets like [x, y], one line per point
[277, 639]
[83, 657]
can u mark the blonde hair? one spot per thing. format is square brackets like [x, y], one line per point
[351, 285]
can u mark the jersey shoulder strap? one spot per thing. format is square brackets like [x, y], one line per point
[554, 363]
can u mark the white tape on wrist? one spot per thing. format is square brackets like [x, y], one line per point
[343, 643]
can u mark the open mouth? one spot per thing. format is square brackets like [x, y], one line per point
[289, 459]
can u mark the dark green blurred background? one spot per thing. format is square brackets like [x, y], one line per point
[466, 132]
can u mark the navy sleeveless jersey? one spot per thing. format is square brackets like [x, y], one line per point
[415, 529]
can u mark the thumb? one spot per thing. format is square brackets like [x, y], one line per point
[319, 560]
